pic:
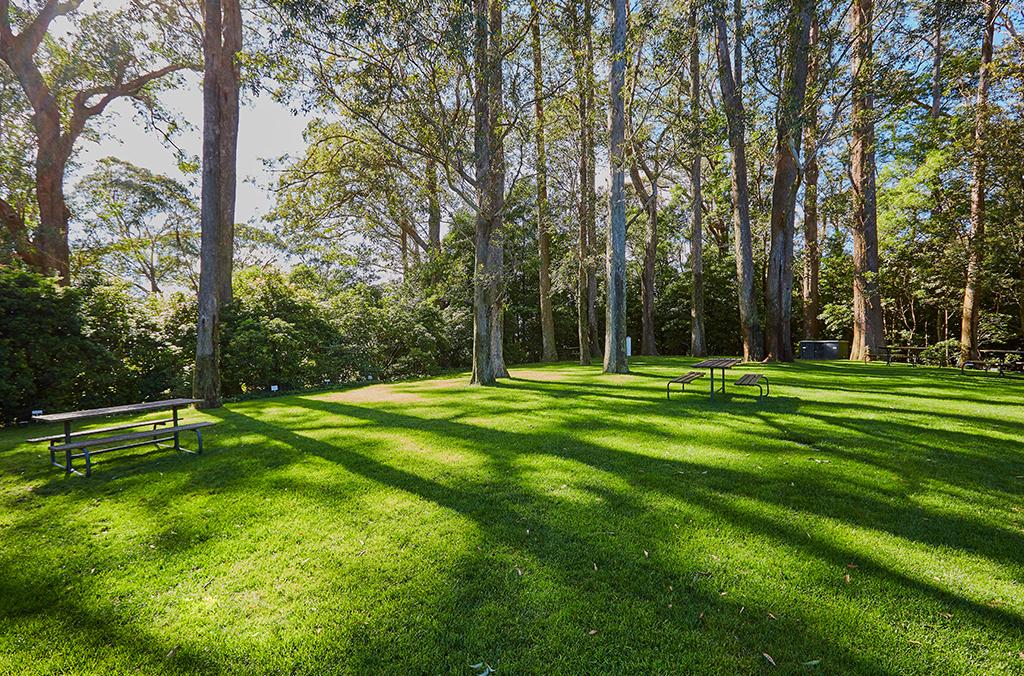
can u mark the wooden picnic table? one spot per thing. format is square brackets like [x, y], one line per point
[910, 353]
[71, 441]
[720, 363]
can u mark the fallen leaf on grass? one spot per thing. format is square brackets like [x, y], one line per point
[846, 578]
[592, 632]
[173, 651]
[851, 566]
[772, 616]
[595, 566]
[812, 663]
[769, 658]
[647, 554]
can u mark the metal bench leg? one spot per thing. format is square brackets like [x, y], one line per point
[668, 391]
[199, 440]
[88, 462]
[767, 387]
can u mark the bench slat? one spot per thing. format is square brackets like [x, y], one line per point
[687, 377]
[163, 431]
[750, 379]
[103, 430]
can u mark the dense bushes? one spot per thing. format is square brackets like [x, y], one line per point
[66, 348]
[99, 344]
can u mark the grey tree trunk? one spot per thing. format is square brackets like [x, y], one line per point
[697, 342]
[976, 242]
[615, 360]
[731, 82]
[789, 131]
[593, 329]
[812, 248]
[488, 357]
[547, 315]
[868, 332]
[228, 77]
[583, 83]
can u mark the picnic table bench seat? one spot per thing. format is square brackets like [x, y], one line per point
[154, 436]
[682, 381]
[102, 430]
[755, 380]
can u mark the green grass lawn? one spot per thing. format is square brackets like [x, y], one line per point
[864, 519]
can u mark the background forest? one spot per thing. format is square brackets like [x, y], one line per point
[787, 171]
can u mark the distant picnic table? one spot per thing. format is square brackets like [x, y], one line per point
[720, 363]
[911, 354]
[87, 443]
[1003, 360]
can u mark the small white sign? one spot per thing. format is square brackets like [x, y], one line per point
[37, 412]
[629, 346]
[273, 388]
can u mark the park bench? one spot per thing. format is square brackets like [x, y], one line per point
[88, 443]
[755, 380]
[682, 381]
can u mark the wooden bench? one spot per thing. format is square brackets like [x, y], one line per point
[155, 436]
[755, 380]
[682, 381]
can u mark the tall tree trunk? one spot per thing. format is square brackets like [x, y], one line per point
[976, 240]
[697, 343]
[228, 76]
[583, 84]
[488, 358]
[51, 237]
[615, 360]
[433, 208]
[731, 82]
[547, 315]
[812, 247]
[593, 330]
[206, 380]
[789, 130]
[868, 330]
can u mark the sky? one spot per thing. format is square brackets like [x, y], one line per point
[267, 130]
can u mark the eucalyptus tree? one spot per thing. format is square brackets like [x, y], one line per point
[698, 345]
[976, 237]
[222, 43]
[70, 79]
[789, 132]
[730, 77]
[615, 358]
[868, 339]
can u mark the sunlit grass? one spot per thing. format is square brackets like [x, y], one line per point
[862, 519]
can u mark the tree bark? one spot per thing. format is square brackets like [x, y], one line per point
[812, 248]
[222, 41]
[547, 316]
[789, 130]
[731, 82]
[585, 171]
[593, 329]
[976, 238]
[697, 343]
[615, 360]
[868, 333]
[488, 357]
